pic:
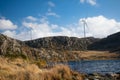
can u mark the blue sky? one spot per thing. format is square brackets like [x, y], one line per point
[43, 18]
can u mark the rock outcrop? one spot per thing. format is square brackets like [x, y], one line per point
[14, 48]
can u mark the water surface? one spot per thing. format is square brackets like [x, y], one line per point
[99, 66]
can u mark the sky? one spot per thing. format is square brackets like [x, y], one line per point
[32, 19]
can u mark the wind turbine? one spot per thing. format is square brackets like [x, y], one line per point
[31, 34]
[84, 26]
[30, 31]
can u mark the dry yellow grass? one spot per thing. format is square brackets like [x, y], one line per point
[19, 69]
[100, 55]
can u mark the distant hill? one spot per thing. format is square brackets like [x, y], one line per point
[61, 43]
[111, 43]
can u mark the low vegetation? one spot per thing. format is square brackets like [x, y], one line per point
[20, 69]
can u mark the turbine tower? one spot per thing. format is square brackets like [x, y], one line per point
[31, 34]
[84, 26]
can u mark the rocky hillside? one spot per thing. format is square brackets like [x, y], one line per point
[59, 48]
[111, 43]
[61, 43]
[14, 48]
[48, 49]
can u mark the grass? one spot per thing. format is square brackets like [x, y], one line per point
[20, 69]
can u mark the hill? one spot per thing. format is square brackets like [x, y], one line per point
[58, 48]
[61, 43]
[52, 49]
[27, 60]
[110, 43]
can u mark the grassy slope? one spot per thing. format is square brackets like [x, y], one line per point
[96, 55]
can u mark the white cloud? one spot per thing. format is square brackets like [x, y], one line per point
[31, 18]
[91, 2]
[29, 24]
[40, 29]
[7, 24]
[54, 26]
[52, 14]
[101, 26]
[98, 26]
[44, 19]
[9, 33]
[51, 4]
[82, 1]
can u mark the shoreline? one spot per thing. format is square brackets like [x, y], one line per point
[99, 76]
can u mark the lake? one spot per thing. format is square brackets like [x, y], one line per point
[99, 66]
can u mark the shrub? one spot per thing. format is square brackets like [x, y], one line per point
[40, 63]
[16, 55]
